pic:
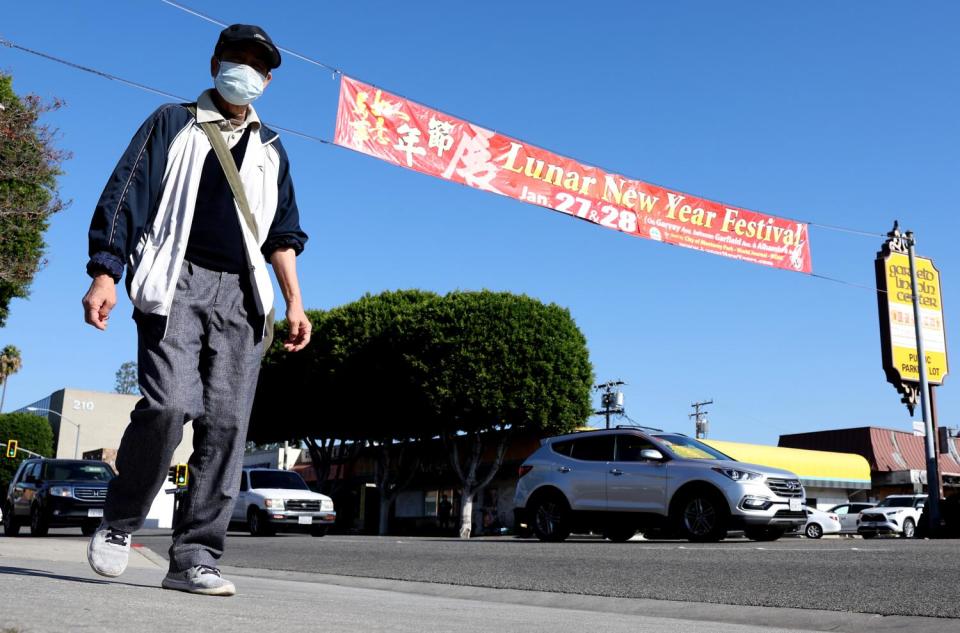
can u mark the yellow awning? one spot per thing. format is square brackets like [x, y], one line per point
[815, 468]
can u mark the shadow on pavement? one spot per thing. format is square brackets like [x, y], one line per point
[39, 573]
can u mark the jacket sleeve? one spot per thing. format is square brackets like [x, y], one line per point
[130, 196]
[285, 230]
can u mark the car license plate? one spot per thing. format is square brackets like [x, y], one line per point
[305, 520]
[795, 505]
[95, 512]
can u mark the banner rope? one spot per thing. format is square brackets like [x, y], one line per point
[203, 16]
[105, 75]
[144, 87]
[337, 71]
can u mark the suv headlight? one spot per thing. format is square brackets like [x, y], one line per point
[273, 504]
[61, 491]
[739, 475]
[326, 505]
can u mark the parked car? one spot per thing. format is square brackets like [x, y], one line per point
[272, 500]
[47, 493]
[619, 481]
[849, 513]
[897, 514]
[820, 523]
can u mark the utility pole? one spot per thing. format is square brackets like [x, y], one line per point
[612, 400]
[933, 467]
[700, 418]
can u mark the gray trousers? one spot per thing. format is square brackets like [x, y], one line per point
[205, 369]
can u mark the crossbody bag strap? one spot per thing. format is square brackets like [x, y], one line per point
[229, 170]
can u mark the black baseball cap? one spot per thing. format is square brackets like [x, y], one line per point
[236, 33]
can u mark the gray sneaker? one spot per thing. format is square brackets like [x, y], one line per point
[108, 551]
[200, 579]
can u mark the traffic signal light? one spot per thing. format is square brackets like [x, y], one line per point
[12, 448]
[178, 475]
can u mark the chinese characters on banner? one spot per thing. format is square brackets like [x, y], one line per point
[405, 133]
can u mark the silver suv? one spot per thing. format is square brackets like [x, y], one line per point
[619, 481]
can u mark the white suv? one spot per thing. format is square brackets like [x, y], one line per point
[623, 480]
[272, 500]
[897, 514]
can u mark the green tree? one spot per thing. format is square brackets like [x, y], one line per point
[507, 362]
[127, 381]
[393, 369]
[29, 166]
[10, 363]
[357, 385]
[32, 432]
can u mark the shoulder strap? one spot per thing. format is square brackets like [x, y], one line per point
[229, 170]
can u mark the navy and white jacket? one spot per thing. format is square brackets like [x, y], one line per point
[145, 212]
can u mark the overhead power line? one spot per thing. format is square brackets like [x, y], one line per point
[140, 86]
[203, 16]
[337, 71]
[312, 137]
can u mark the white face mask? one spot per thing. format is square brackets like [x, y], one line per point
[238, 84]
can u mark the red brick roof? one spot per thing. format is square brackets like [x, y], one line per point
[885, 449]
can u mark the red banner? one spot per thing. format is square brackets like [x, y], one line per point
[408, 134]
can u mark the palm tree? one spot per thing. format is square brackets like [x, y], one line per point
[10, 363]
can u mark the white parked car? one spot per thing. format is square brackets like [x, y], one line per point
[272, 500]
[897, 514]
[849, 514]
[820, 523]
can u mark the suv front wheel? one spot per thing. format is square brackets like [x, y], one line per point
[550, 514]
[39, 525]
[701, 516]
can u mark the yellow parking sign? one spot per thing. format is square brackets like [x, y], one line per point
[898, 330]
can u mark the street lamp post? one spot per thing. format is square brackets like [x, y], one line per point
[76, 446]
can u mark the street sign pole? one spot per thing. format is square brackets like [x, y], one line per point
[933, 470]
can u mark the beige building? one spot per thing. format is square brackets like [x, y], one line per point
[84, 421]
[93, 422]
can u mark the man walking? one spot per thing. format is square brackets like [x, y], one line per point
[194, 235]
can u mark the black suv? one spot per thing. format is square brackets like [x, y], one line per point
[54, 493]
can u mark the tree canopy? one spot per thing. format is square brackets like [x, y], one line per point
[415, 364]
[393, 369]
[32, 432]
[29, 166]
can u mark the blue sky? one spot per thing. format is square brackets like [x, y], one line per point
[835, 113]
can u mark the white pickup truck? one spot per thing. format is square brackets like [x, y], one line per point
[272, 500]
[897, 514]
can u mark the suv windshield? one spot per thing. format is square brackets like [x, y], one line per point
[683, 446]
[896, 502]
[74, 471]
[276, 479]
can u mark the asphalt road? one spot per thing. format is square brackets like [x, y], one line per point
[884, 576]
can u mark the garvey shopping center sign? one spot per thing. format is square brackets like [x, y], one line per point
[897, 330]
[408, 134]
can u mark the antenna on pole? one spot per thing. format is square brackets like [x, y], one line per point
[700, 418]
[611, 400]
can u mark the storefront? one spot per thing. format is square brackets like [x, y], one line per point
[897, 458]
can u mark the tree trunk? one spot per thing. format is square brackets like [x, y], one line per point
[4, 396]
[468, 476]
[466, 514]
[385, 503]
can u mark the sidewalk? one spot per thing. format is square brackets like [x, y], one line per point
[46, 586]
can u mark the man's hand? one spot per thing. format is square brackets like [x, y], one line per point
[300, 328]
[99, 300]
[284, 262]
